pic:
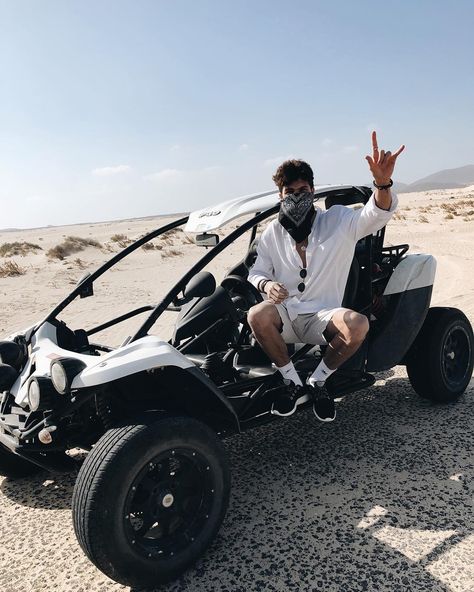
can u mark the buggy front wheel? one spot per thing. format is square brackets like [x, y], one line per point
[150, 498]
[441, 360]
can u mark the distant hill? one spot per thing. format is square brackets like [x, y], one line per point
[399, 187]
[446, 179]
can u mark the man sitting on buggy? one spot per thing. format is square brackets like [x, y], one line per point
[302, 265]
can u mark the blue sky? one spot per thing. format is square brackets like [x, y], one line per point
[123, 108]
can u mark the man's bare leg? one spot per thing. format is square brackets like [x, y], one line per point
[345, 332]
[266, 325]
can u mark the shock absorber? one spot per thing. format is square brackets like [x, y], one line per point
[104, 410]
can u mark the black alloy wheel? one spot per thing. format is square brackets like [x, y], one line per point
[455, 356]
[150, 498]
[169, 502]
[441, 360]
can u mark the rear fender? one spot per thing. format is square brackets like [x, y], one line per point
[408, 296]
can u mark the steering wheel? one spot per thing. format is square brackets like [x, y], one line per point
[238, 286]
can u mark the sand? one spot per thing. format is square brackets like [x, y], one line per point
[381, 499]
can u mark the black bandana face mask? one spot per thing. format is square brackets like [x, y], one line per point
[297, 215]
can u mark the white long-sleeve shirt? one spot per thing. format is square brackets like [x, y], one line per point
[329, 255]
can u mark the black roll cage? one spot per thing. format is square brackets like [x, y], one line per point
[345, 196]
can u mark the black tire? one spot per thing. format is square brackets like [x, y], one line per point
[441, 359]
[120, 517]
[13, 466]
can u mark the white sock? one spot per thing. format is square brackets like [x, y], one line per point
[289, 373]
[320, 375]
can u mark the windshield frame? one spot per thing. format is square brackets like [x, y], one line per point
[358, 193]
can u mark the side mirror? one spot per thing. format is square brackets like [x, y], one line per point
[87, 289]
[202, 284]
[206, 240]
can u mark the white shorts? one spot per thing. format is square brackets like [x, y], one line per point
[306, 328]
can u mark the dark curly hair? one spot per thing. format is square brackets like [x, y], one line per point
[292, 170]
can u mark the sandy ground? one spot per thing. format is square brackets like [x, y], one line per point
[379, 500]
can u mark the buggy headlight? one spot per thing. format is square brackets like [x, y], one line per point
[40, 393]
[63, 372]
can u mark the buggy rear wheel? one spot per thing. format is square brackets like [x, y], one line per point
[441, 359]
[150, 498]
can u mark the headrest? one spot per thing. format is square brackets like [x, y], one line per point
[251, 254]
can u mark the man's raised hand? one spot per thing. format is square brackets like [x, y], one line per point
[382, 163]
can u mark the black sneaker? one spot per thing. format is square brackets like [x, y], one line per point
[324, 407]
[287, 399]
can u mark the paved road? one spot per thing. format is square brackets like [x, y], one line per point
[382, 499]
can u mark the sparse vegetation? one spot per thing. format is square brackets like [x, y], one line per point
[172, 253]
[79, 263]
[121, 240]
[423, 219]
[11, 269]
[18, 249]
[152, 247]
[399, 216]
[450, 208]
[172, 233]
[449, 217]
[72, 244]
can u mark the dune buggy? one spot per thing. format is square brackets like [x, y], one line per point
[154, 487]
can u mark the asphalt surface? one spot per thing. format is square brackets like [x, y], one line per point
[381, 499]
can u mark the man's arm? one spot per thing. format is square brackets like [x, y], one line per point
[262, 269]
[371, 217]
[383, 197]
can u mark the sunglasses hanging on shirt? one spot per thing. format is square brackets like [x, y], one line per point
[303, 274]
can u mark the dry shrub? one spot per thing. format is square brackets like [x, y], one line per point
[152, 247]
[449, 217]
[11, 269]
[72, 244]
[465, 202]
[172, 233]
[122, 240]
[80, 263]
[423, 219]
[450, 208]
[172, 253]
[399, 216]
[18, 249]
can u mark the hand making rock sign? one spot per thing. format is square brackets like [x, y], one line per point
[382, 163]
